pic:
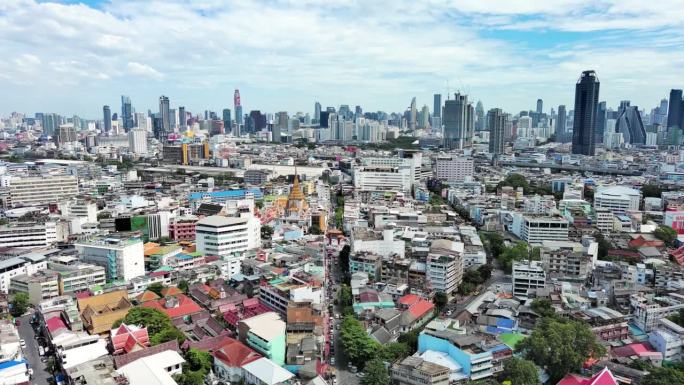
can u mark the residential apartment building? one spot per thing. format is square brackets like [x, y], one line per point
[668, 339]
[648, 310]
[444, 271]
[455, 169]
[416, 371]
[223, 236]
[123, 259]
[40, 286]
[41, 191]
[366, 262]
[28, 235]
[75, 276]
[527, 275]
[265, 333]
[471, 360]
[535, 229]
[25, 264]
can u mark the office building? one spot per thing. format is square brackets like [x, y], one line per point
[317, 112]
[25, 264]
[49, 122]
[223, 236]
[412, 114]
[537, 228]
[617, 199]
[126, 113]
[480, 119]
[65, 134]
[629, 124]
[586, 107]
[182, 118]
[280, 125]
[527, 276]
[540, 106]
[437, 107]
[383, 178]
[107, 118]
[164, 115]
[186, 153]
[458, 121]
[123, 259]
[137, 141]
[41, 191]
[561, 121]
[456, 169]
[675, 112]
[602, 122]
[227, 120]
[40, 286]
[496, 121]
[76, 276]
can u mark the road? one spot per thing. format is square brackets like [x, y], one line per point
[344, 376]
[40, 373]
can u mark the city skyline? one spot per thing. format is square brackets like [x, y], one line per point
[74, 58]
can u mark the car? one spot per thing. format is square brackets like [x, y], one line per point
[448, 312]
[360, 374]
[334, 381]
[332, 360]
[353, 369]
[22, 343]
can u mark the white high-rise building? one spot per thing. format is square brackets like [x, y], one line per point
[137, 141]
[454, 169]
[444, 272]
[527, 275]
[123, 259]
[617, 199]
[223, 236]
[41, 191]
[29, 236]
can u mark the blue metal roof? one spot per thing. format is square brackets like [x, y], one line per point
[227, 194]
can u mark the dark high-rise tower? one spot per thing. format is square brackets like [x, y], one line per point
[675, 112]
[227, 121]
[317, 112]
[496, 121]
[183, 119]
[540, 106]
[107, 115]
[601, 120]
[126, 113]
[239, 117]
[437, 107]
[584, 122]
[164, 114]
[560, 124]
[458, 120]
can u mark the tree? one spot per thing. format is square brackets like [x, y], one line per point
[156, 288]
[158, 324]
[520, 372]
[515, 181]
[666, 234]
[466, 288]
[543, 307]
[440, 300]
[394, 351]
[19, 304]
[517, 252]
[166, 335]
[198, 360]
[603, 245]
[376, 373]
[346, 300]
[651, 191]
[183, 285]
[410, 338]
[664, 375]
[343, 259]
[356, 342]
[548, 346]
[485, 272]
[266, 232]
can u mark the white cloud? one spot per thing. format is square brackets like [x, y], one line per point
[140, 69]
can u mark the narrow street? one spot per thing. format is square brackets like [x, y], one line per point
[40, 373]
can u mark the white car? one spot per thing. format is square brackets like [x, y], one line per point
[22, 343]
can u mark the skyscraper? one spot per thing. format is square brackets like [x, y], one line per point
[437, 107]
[164, 116]
[586, 107]
[675, 112]
[281, 124]
[479, 115]
[601, 121]
[629, 124]
[496, 121]
[458, 122]
[182, 117]
[413, 114]
[540, 106]
[317, 112]
[126, 113]
[560, 124]
[107, 115]
[239, 117]
[227, 121]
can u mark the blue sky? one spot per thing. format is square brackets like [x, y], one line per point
[73, 57]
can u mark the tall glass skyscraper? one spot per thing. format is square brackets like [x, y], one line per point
[560, 124]
[164, 117]
[496, 120]
[437, 107]
[458, 121]
[675, 113]
[107, 117]
[126, 113]
[586, 107]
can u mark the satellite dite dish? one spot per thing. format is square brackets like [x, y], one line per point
[416, 142]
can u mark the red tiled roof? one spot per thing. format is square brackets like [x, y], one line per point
[186, 306]
[171, 290]
[148, 296]
[604, 377]
[235, 354]
[420, 308]
[409, 299]
[54, 324]
[125, 339]
[635, 349]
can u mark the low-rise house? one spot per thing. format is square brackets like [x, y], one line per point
[230, 357]
[416, 371]
[157, 368]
